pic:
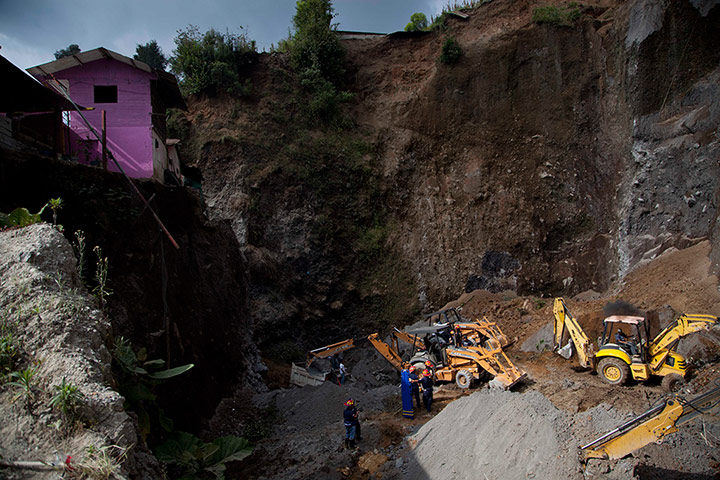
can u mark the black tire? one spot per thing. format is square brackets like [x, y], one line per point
[673, 383]
[419, 364]
[463, 379]
[613, 371]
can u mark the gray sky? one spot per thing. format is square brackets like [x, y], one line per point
[32, 30]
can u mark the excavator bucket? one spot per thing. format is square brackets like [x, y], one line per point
[508, 374]
[567, 351]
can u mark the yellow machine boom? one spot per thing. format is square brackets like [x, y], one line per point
[650, 427]
[565, 320]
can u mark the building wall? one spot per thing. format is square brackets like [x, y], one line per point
[129, 122]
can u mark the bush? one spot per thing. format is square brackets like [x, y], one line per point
[212, 62]
[318, 59]
[451, 51]
[553, 15]
[418, 22]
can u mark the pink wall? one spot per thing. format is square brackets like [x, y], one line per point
[129, 125]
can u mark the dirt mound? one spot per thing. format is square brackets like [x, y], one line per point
[494, 434]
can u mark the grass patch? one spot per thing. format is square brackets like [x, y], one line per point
[553, 15]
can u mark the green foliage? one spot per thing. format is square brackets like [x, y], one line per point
[137, 377]
[101, 290]
[451, 51]
[554, 15]
[79, 248]
[55, 205]
[71, 49]
[418, 22]
[152, 54]
[8, 353]
[190, 458]
[21, 217]
[371, 242]
[66, 398]
[318, 58]
[212, 62]
[24, 381]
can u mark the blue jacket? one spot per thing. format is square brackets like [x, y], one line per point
[350, 416]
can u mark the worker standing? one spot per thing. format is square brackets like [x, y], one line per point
[350, 421]
[415, 386]
[342, 372]
[427, 385]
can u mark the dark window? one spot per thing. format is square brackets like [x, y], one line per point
[105, 93]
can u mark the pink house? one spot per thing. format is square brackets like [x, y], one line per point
[130, 99]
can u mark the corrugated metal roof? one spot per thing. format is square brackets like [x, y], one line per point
[86, 57]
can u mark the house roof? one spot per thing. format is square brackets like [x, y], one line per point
[85, 57]
[168, 91]
[21, 93]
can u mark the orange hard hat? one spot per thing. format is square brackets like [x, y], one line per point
[350, 403]
[426, 372]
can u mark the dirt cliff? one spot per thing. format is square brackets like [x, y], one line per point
[551, 159]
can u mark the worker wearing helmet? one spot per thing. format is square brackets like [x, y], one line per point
[350, 416]
[415, 386]
[427, 384]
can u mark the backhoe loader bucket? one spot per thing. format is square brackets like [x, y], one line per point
[508, 374]
[566, 351]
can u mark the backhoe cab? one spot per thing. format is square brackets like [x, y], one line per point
[615, 361]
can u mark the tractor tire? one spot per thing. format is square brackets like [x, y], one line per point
[463, 379]
[613, 370]
[673, 383]
[419, 364]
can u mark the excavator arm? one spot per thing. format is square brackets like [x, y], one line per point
[564, 320]
[685, 325]
[328, 350]
[650, 427]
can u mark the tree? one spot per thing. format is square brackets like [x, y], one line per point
[71, 49]
[152, 54]
[318, 59]
[213, 61]
[418, 22]
[315, 45]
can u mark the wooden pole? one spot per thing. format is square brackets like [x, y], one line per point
[104, 140]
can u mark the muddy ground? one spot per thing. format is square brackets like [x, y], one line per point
[534, 430]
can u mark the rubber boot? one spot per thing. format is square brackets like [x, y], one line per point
[347, 443]
[352, 443]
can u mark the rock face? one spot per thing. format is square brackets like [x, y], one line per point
[548, 160]
[58, 331]
[188, 305]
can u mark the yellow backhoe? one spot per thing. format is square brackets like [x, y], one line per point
[650, 427]
[460, 352]
[615, 361]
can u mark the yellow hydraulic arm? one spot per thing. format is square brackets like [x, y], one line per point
[563, 320]
[326, 351]
[389, 352]
[685, 325]
[650, 427]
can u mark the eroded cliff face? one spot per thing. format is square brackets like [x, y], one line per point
[548, 160]
[184, 305]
